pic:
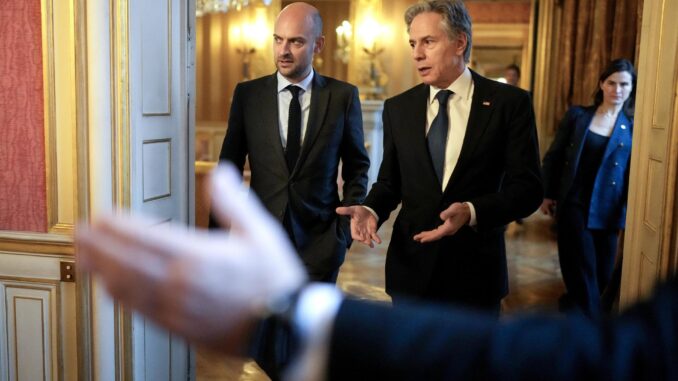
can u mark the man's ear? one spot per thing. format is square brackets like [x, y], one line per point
[319, 44]
[461, 40]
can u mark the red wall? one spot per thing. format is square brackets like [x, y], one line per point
[22, 127]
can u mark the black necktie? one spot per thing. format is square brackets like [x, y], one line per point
[437, 134]
[293, 128]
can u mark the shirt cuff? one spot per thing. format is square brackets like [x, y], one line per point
[371, 211]
[313, 318]
[472, 222]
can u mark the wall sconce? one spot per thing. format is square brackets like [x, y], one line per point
[370, 31]
[248, 37]
[238, 34]
[344, 35]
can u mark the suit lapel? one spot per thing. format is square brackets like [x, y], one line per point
[414, 120]
[482, 106]
[621, 134]
[269, 118]
[320, 100]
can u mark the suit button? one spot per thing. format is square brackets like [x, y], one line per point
[616, 164]
[567, 162]
[623, 127]
[614, 183]
[571, 144]
[621, 144]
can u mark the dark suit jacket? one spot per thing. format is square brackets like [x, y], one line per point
[334, 131]
[498, 171]
[561, 164]
[371, 341]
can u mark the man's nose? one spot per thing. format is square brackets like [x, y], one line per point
[283, 48]
[417, 53]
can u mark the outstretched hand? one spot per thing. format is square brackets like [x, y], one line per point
[454, 217]
[363, 224]
[206, 286]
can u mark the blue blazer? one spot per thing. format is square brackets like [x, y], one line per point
[561, 163]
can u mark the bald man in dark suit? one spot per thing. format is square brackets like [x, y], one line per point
[295, 126]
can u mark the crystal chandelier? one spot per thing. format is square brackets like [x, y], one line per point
[213, 6]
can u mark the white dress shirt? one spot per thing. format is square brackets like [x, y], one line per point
[458, 111]
[284, 99]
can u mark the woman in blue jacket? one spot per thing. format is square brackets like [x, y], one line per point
[585, 173]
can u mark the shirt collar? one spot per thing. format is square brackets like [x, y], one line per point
[305, 83]
[461, 87]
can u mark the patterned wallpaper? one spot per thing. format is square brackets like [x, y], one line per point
[22, 131]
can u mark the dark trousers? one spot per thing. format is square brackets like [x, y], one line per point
[491, 307]
[586, 259]
[272, 345]
[441, 290]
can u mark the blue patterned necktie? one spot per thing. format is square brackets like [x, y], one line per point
[437, 135]
[293, 128]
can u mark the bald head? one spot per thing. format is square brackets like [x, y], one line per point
[297, 38]
[302, 13]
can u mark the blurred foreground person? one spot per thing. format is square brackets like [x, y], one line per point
[175, 276]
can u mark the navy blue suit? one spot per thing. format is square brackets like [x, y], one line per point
[308, 193]
[589, 212]
[371, 341]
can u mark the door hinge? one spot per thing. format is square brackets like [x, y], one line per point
[67, 271]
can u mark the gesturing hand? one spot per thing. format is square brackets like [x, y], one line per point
[205, 286]
[454, 217]
[363, 224]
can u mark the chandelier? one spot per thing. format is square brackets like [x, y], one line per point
[214, 6]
